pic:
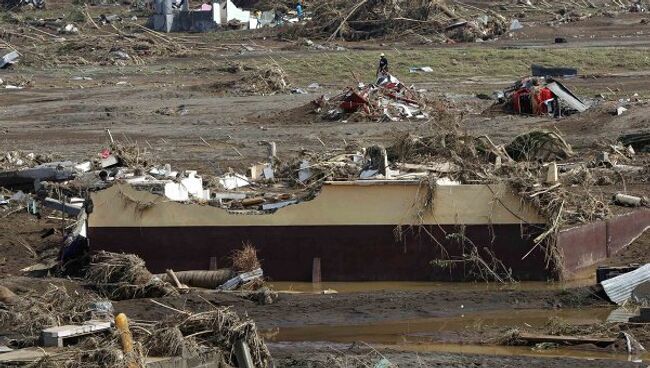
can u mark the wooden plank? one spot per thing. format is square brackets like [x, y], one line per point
[537, 338]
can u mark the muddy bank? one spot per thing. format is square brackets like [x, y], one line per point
[359, 308]
[339, 355]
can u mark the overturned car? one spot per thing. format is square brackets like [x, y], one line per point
[539, 96]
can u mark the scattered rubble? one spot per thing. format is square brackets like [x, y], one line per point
[384, 101]
[397, 18]
[266, 80]
[56, 315]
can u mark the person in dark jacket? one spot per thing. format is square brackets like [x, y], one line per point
[382, 69]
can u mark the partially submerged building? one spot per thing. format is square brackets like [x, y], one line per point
[360, 230]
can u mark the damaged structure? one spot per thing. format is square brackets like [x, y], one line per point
[170, 17]
[444, 207]
[433, 220]
[352, 227]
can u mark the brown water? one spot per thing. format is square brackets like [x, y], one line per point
[356, 287]
[430, 329]
[423, 335]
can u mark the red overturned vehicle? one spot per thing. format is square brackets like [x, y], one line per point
[540, 96]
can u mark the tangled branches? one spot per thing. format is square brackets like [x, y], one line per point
[218, 328]
[124, 276]
[245, 259]
[31, 314]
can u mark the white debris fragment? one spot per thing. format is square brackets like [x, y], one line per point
[233, 181]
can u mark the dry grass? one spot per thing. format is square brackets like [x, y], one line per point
[53, 308]
[124, 276]
[245, 259]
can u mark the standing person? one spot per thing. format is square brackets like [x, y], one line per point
[382, 69]
[299, 10]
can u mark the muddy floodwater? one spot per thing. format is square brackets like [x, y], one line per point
[430, 329]
[428, 335]
[372, 286]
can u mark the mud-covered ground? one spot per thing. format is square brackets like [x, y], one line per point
[355, 355]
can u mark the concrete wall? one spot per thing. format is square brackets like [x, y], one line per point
[227, 11]
[339, 203]
[193, 21]
[585, 245]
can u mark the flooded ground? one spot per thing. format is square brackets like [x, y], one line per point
[425, 336]
[491, 350]
[372, 286]
[432, 329]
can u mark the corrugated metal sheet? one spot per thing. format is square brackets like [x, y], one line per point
[619, 288]
[622, 315]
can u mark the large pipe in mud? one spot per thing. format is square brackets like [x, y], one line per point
[201, 278]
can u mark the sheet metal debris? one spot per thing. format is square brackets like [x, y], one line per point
[9, 59]
[619, 289]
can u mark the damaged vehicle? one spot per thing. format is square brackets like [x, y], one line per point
[540, 96]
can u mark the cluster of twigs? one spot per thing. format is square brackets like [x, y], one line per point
[218, 328]
[245, 259]
[39, 42]
[32, 313]
[266, 80]
[124, 276]
[539, 145]
[479, 264]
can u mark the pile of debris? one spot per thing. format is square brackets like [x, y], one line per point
[369, 19]
[67, 40]
[17, 4]
[255, 81]
[84, 328]
[540, 166]
[385, 100]
[13, 160]
[29, 314]
[193, 334]
[124, 276]
[268, 186]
